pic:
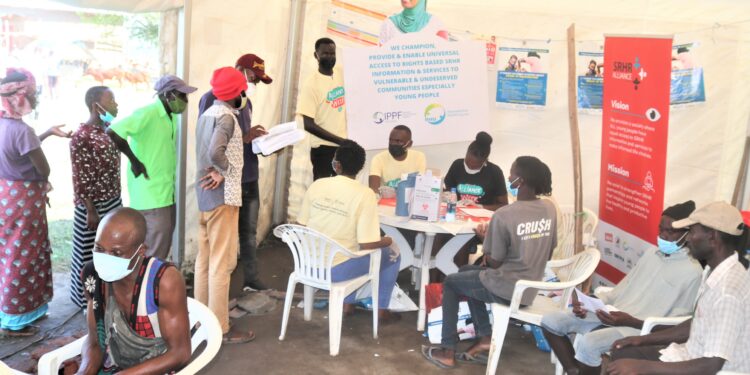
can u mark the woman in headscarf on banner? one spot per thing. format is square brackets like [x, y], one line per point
[413, 19]
[25, 266]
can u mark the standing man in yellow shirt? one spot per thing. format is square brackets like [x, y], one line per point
[323, 109]
[387, 168]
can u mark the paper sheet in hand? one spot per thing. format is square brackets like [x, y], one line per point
[592, 304]
[277, 138]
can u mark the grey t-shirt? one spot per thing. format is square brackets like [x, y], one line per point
[521, 236]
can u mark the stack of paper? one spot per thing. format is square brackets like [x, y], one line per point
[277, 138]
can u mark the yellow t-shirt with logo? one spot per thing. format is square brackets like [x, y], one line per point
[390, 170]
[322, 99]
[342, 209]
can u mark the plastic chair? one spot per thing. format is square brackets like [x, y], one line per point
[566, 227]
[313, 254]
[583, 266]
[7, 370]
[208, 330]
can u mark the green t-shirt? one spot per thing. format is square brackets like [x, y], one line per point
[152, 136]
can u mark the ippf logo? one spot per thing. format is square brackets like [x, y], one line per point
[381, 117]
[629, 71]
[434, 114]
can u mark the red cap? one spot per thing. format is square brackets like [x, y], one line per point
[256, 64]
[227, 83]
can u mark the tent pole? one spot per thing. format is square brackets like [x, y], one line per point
[288, 101]
[575, 139]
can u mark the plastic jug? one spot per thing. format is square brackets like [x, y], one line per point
[403, 193]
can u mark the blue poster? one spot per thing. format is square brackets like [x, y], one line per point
[590, 82]
[687, 84]
[522, 76]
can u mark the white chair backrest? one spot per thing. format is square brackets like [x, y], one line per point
[313, 253]
[583, 267]
[566, 227]
[208, 331]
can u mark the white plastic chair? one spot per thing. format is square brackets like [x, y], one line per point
[582, 267]
[209, 330]
[313, 254]
[7, 370]
[566, 227]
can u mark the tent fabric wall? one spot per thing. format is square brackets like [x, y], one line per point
[133, 6]
[705, 140]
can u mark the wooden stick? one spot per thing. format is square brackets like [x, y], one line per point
[575, 139]
[739, 186]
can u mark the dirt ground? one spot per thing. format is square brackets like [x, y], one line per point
[305, 348]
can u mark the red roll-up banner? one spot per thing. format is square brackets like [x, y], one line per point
[635, 124]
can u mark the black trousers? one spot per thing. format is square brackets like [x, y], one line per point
[321, 158]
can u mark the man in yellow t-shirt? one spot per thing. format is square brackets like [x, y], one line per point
[347, 212]
[387, 167]
[323, 109]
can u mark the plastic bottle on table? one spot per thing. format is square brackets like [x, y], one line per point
[450, 214]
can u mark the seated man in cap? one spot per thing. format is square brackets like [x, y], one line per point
[717, 338]
[137, 308]
[148, 137]
[664, 282]
[253, 68]
[218, 187]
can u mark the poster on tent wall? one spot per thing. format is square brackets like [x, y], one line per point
[435, 87]
[489, 41]
[590, 68]
[522, 74]
[687, 76]
[354, 23]
[635, 119]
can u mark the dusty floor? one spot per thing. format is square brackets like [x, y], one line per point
[305, 349]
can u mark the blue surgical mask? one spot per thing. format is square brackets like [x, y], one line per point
[512, 190]
[106, 116]
[669, 247]
[111, 268]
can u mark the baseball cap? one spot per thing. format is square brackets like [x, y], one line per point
[256, 64]
[720, 216]
[170, 82]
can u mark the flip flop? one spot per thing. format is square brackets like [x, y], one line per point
[479, 359]
[427, 354]
[26, 332]
[228, 339]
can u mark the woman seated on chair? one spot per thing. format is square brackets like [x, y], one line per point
[517, 244]
[137, 306]
[347, 212]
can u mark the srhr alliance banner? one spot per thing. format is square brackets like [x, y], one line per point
[635, 120]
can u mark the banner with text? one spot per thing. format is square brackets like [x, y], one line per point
[435, 87]
[522, 74]
[635, 119]
[590, 68]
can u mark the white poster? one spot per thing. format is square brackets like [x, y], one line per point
[435, 87]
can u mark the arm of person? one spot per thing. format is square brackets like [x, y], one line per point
[92, 355]
[678, 334]
[135, 165]
[174, 325]
[496, 242]
[318, 131]
[374, 183]
[56, 131]
[217, 149]
[698, 366]
[500, 201]
[39, 161]
[385, 241]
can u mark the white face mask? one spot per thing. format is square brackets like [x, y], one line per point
[251, 88]
[472, 171]
[111, 268]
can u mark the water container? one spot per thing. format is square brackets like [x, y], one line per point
[403, 192]
[450, 213]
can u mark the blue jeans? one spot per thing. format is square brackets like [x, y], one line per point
[361, 266]
[466, 282]
[248, 224]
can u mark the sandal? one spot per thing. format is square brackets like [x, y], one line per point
[427, 354]
[478, 359]
[233, 337]
[25, 332]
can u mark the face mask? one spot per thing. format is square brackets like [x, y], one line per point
[472, 171]
[333, 166]
[111, 268]
[327, 63]
[177, 105]
[106, 116]
[243, 102]
[251, 88]
[669, 247]
[513, 191]
[396, 151]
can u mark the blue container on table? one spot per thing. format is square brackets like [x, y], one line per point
[406, 184]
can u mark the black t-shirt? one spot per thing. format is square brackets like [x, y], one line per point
[483, 187]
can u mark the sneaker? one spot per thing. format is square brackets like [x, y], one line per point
[256, 285]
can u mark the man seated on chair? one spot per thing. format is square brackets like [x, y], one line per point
[717, 337]
[137, 307]
[663, 283]
[387, 167]
[517, 244]
[347, 212]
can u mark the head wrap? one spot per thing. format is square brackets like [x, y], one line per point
[412, 20]
[13, 94]
[680, 211]
[227, 83]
